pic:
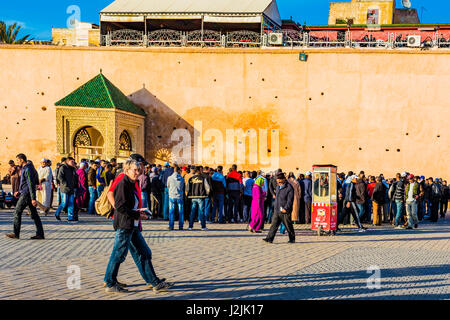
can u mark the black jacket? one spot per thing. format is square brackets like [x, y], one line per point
[125, 194]
[198, 187]
[28, 180]
[67, 178]
[273, 187]
[92, 180]
[379, 193]
[284, 198]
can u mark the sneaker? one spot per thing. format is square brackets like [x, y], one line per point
[398, 228]
[190, 229]
[11, 236]
[122, 285]
[57, 218]
[37, 237]
[205, 229]
[267, 240]
[151, 286]
[115, 289]
[232, 220]
[162, 286]
[362, 230]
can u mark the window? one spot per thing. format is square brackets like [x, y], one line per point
[125, 142]
[373, 16]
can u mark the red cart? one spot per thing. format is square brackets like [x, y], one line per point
[324, 199]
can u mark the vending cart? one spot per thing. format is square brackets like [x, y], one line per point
[324, 199]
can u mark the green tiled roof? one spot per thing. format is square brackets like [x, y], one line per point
[99, 92]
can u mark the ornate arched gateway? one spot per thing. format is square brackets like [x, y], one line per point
[98, 121]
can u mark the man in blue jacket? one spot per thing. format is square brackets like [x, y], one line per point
[27, 198]
[165, 174]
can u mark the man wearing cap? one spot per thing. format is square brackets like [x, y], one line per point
[45, 185]
[306, 189]
[412, 193]
[284, 200]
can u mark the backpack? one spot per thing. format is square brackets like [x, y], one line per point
[102, 205]
[436, 192]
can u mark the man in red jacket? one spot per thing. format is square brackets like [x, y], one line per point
[140, 159]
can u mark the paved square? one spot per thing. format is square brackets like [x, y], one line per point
[228, 262]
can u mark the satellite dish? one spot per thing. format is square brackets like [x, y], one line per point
[406, 4]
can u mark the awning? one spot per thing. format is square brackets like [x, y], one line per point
[121, 18]
[218, 19]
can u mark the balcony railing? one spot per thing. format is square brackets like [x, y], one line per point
[246, 38]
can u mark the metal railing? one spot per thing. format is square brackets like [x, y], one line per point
[246, 38]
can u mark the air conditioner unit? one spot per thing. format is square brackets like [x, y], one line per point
[414, 41]
[276, 39]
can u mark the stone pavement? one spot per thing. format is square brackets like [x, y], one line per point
[228, 262]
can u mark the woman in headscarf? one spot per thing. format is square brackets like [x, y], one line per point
[82, 189]
[257, 208]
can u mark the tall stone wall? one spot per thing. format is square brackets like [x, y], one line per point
[378, 110]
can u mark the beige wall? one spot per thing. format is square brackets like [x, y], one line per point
[341, 100]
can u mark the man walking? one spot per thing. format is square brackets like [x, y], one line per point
[27, 198]
[399, 198]
[436, 195]
[350, 204]
[284, 200]
[175, 184]
[234, 191]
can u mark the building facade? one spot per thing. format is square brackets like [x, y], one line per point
[362, 12]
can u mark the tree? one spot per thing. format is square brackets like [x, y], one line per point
[8, 34]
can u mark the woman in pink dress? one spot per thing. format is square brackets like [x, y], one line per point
[257, 208]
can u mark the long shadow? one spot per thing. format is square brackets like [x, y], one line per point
[301, 288]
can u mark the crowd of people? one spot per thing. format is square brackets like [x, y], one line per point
[138, 190]
[208, 195]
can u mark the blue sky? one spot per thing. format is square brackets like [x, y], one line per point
[38, 17]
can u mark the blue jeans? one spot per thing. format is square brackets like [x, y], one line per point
[219, 200]
[361, 210]
[398, 213]
[197, 203]
[172, 203]
[207, 207]
[144, 199]
[166, 204]
[66, 199]
[142, 255]
[411, 209]
[100, 189]
[92, 198]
